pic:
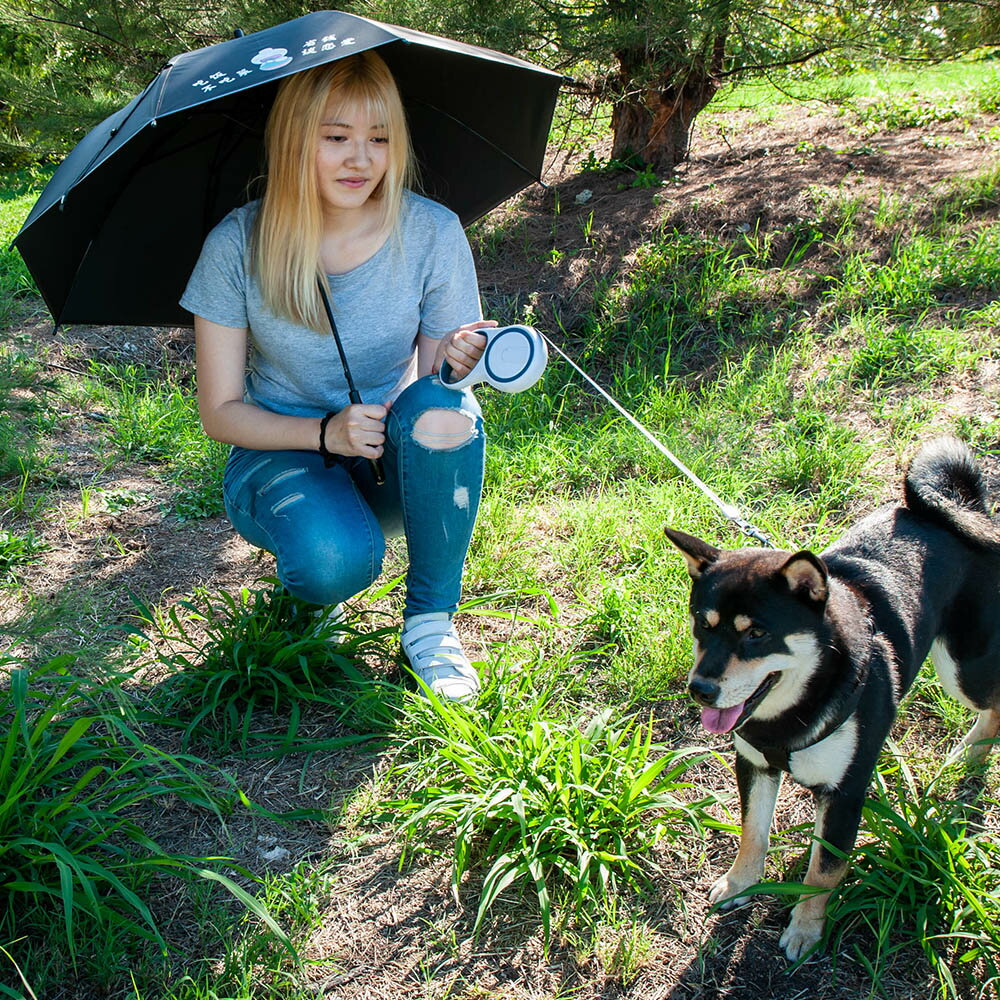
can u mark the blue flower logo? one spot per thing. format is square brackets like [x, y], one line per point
[271, 59]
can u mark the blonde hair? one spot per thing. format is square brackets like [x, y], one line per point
[285, 242]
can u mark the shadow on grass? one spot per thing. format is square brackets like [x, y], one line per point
[738, 958]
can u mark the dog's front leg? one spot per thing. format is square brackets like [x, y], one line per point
[758, 793]
[837, 820]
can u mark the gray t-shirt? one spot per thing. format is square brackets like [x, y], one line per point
[421, 280]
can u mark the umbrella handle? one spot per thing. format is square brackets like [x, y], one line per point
[352, 392]
[378, 470]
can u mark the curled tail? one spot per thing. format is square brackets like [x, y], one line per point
[944, 484]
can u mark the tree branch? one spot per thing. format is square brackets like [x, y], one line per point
[72, 24]
[763, 67]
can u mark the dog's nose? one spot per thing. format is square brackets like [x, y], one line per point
[703, 691]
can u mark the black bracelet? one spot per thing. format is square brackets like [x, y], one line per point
[329, 458]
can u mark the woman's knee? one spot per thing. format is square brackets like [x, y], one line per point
[436, 417]
[327, 571]
[440, 430]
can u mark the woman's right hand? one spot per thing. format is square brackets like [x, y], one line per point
[358, 429]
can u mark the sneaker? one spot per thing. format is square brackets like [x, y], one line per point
[329, 623]
[437, 658]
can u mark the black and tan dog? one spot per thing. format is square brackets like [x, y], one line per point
[805, 658]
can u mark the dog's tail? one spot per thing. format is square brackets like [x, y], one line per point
[945, 484]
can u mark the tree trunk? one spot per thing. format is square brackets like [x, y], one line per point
[653, 120]
[655, 124]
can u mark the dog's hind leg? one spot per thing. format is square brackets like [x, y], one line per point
[837, 819]
[976, 745]
[758, 794]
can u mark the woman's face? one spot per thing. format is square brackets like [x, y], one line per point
[352, 155]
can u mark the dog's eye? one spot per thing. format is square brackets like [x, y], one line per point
[756, 632]
[703, 621]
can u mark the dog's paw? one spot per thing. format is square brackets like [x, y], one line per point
[801, 934]
[971, 751]
[726, 892]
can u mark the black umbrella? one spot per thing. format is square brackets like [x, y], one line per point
[117, 230]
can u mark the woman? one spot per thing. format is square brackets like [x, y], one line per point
[404, 294]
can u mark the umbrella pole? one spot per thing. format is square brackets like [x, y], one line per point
[352, 390]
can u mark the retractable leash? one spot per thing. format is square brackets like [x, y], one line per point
[729, 511]
[514, 359]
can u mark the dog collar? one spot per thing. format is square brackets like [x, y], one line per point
[779, 757]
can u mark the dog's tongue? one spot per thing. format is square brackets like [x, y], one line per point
[721, 720]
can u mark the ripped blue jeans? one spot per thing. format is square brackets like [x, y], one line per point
[327, 527]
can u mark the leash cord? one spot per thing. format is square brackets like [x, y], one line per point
[729, 511]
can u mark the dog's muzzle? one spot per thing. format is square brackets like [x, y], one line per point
[704, 691]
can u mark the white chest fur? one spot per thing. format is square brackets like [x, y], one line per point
[824, 763]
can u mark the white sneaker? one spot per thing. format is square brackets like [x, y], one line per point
[327, 621]
[437, 658]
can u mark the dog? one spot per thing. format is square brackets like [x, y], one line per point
[805, 658]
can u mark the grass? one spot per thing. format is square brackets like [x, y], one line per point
[149, 420]
[905, 352]
[233, 656]
[21, 188]
[973, 80]
[72, 770]
[927, 877]
[17, 551]
[536, 802]
[24, 412]
[793, 368]
[923, 272]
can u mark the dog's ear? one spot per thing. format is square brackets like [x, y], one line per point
[697, 554]
[807, 577]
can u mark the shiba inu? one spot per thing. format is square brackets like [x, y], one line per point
[805, 658]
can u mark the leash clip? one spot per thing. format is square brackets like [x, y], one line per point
[748, 529]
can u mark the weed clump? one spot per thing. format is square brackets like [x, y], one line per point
[567, 812]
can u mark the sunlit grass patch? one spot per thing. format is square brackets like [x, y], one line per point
[24, 412]
[17, 550]
[892, 113]
[155, 421]
[633, 619]
[561, 809]
[923, 271]
[20, 189]
[685, 297]
[147, 420]
[962, 79]
[896, 352]
[817, 454]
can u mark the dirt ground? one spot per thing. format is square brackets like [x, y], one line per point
[386, 933]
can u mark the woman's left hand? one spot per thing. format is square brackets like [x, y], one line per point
[463, 347]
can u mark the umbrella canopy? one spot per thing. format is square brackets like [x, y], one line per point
[117, 230]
